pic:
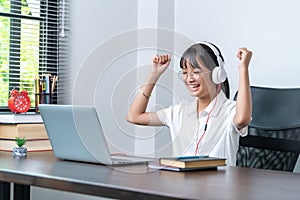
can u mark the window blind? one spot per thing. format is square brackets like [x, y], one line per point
[33, 42]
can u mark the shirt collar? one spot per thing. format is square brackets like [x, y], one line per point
[221, 98]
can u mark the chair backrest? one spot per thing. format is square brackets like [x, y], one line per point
[273, 141]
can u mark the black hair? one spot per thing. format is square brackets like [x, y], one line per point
[204, 54]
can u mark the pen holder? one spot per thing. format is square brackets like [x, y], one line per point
[44, 89]
[42, 98]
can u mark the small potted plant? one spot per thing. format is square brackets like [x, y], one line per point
[20, 150]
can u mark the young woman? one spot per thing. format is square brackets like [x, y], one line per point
[210, 125]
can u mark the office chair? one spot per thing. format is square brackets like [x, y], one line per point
[273, 140]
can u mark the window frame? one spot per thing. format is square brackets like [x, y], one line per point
[49, 62]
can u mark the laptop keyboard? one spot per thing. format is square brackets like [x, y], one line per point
[122, 161]
[130, 160]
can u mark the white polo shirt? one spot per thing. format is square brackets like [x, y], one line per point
[221, 138]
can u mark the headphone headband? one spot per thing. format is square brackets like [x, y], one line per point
[216, 52]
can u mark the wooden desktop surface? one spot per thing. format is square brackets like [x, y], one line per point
[139, 182]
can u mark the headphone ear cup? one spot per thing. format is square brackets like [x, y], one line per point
[218, 75]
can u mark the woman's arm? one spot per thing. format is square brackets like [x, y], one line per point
[244, 101]
[137, 113]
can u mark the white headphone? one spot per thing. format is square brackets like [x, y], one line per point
[218, 73]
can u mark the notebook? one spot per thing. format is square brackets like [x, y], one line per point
[76, 134]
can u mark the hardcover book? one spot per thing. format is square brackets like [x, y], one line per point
[192, 162]
[20, 118]
[156, 165]
[28, 131]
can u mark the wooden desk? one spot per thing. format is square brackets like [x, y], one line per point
[138, 182]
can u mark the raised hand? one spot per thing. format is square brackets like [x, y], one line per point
[160, 63]
[244, 55]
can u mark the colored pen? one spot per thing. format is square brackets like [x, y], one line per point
[192, 157]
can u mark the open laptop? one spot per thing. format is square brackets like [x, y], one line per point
[76, 134]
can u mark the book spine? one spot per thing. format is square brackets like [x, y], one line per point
[37, 92]
[43, 90]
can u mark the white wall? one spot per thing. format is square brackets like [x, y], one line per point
[98, 61]
[270, 28]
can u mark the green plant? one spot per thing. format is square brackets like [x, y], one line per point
[20, 141]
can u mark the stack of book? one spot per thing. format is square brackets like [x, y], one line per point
[188, 163]
[28, 126]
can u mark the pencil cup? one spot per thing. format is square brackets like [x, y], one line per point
[44, 89]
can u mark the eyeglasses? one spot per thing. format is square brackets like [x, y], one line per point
[196, 74]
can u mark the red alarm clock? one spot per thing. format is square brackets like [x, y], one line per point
[19, 102]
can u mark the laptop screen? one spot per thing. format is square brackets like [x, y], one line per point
[75, 133]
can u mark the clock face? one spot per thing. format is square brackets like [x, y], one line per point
[22, 103]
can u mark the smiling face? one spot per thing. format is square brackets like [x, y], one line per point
[198, 81]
